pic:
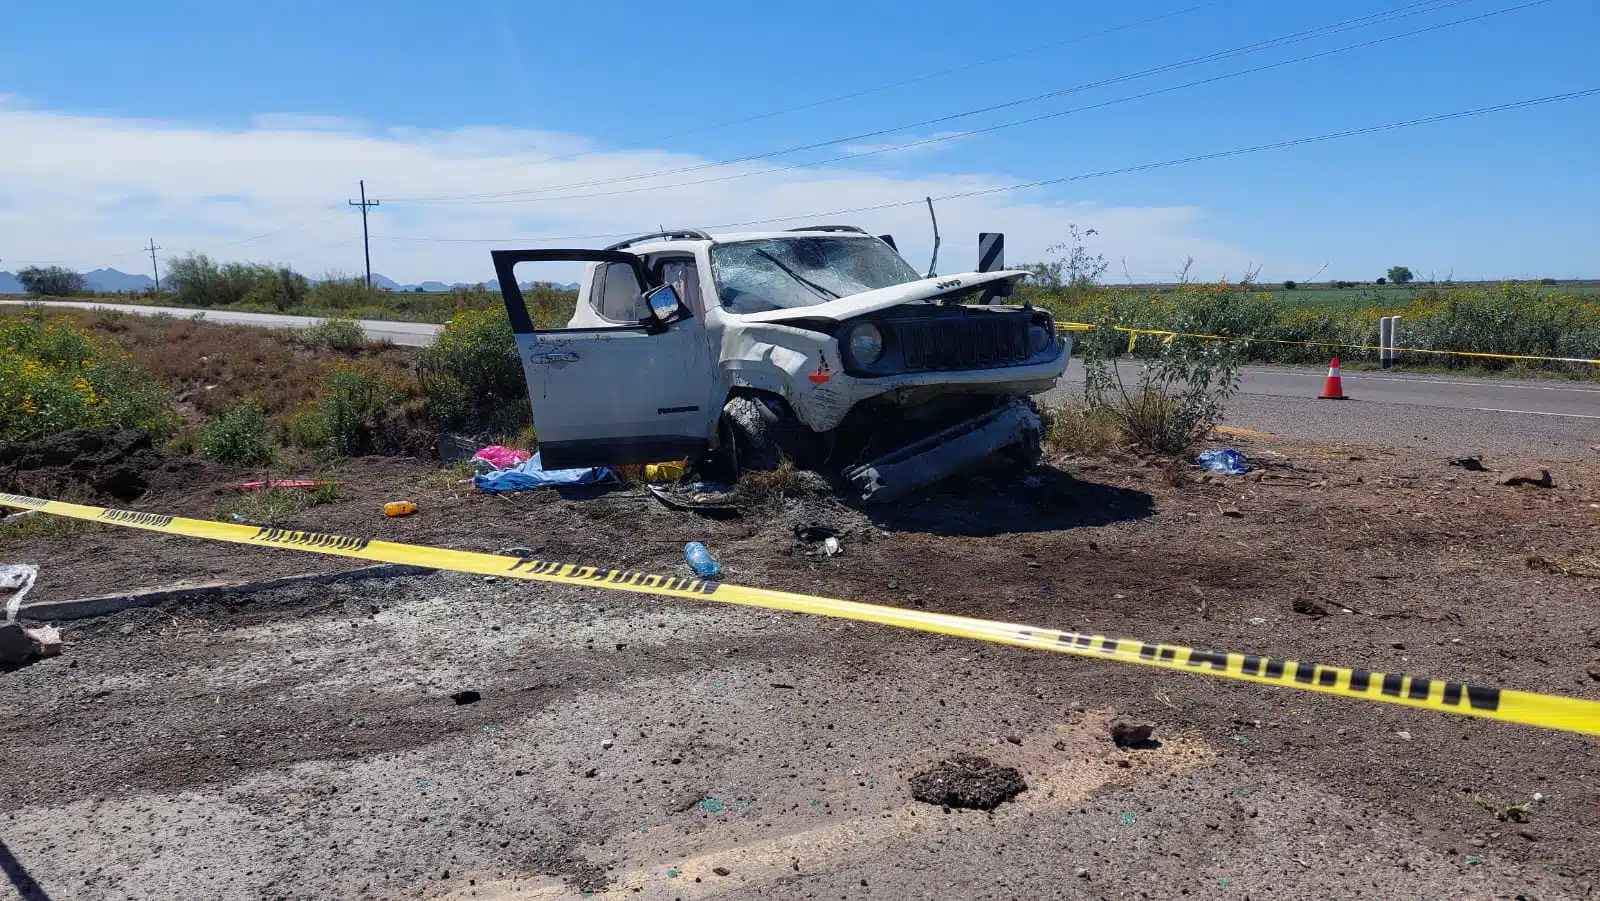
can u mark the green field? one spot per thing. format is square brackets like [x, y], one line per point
[1309, 325]
[1395, 298]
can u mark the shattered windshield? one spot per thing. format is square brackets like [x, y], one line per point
[783, 273]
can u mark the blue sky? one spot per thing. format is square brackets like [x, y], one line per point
[207, 127]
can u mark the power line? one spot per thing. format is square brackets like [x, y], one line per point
[940, 73]
[890, 85]
[1412, 9]
[366, 241]
[295, 226]
[1143, 167]
[956, 136]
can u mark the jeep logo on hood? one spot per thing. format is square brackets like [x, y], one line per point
[947, 285]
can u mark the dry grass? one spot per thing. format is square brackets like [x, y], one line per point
[270, 506]
[757, 488]
[1081, 430]
[213, 368]
[450, 477]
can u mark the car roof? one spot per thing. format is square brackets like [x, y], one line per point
[656, 245]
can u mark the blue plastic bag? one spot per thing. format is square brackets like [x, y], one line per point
[1227, 461]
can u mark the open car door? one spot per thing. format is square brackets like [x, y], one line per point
[633, 392]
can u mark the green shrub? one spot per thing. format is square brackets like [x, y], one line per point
[337, 292]
[281, 289]
[52, 281]
[334, 333]
[55, 377]
[306, 428]
[472, 377]
[1180, 392]
[354, 397]
[237, 438]
[200, 282]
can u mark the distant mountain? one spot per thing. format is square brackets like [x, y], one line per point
[387, 283]
[9, 284]
[114, 280]
[493, 284]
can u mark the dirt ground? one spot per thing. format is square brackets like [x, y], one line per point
[304, 743]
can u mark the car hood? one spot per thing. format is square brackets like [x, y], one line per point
[892, 296]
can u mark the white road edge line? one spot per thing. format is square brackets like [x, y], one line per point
[1417, 380]
[1536, 413]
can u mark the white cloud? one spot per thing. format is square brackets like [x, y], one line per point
[92, 190]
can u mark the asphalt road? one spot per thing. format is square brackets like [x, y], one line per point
[410, 334]
[1455, 415]
[1458, 414]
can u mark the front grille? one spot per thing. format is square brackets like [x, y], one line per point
[973, 342]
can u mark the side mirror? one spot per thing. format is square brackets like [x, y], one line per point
[664, 304]
[663, 301]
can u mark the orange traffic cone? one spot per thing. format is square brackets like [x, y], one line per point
[1333, 388]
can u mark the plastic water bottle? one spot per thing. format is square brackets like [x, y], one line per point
[701, 561]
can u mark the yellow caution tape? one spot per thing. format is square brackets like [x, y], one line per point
[1508, 705]
[1167, 336]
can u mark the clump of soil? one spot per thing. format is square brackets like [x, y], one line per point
[1131, 734]
[968, 781]
[94, 464]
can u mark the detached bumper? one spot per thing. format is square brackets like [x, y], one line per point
[927, 461]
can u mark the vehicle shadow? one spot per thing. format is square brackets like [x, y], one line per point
[1001, 501]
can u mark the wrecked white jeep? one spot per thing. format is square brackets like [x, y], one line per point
[822, 345]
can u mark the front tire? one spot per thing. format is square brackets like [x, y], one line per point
[766, 432]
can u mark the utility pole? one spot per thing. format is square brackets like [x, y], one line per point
[366, 246]
[153, 270]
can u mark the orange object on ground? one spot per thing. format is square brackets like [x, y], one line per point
[399, 508]
[1333, 388]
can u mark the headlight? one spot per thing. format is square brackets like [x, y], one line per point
[866, 343]
[1038, 338]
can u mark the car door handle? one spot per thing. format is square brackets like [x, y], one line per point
[557, 356]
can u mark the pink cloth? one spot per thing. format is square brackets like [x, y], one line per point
[501, 457]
